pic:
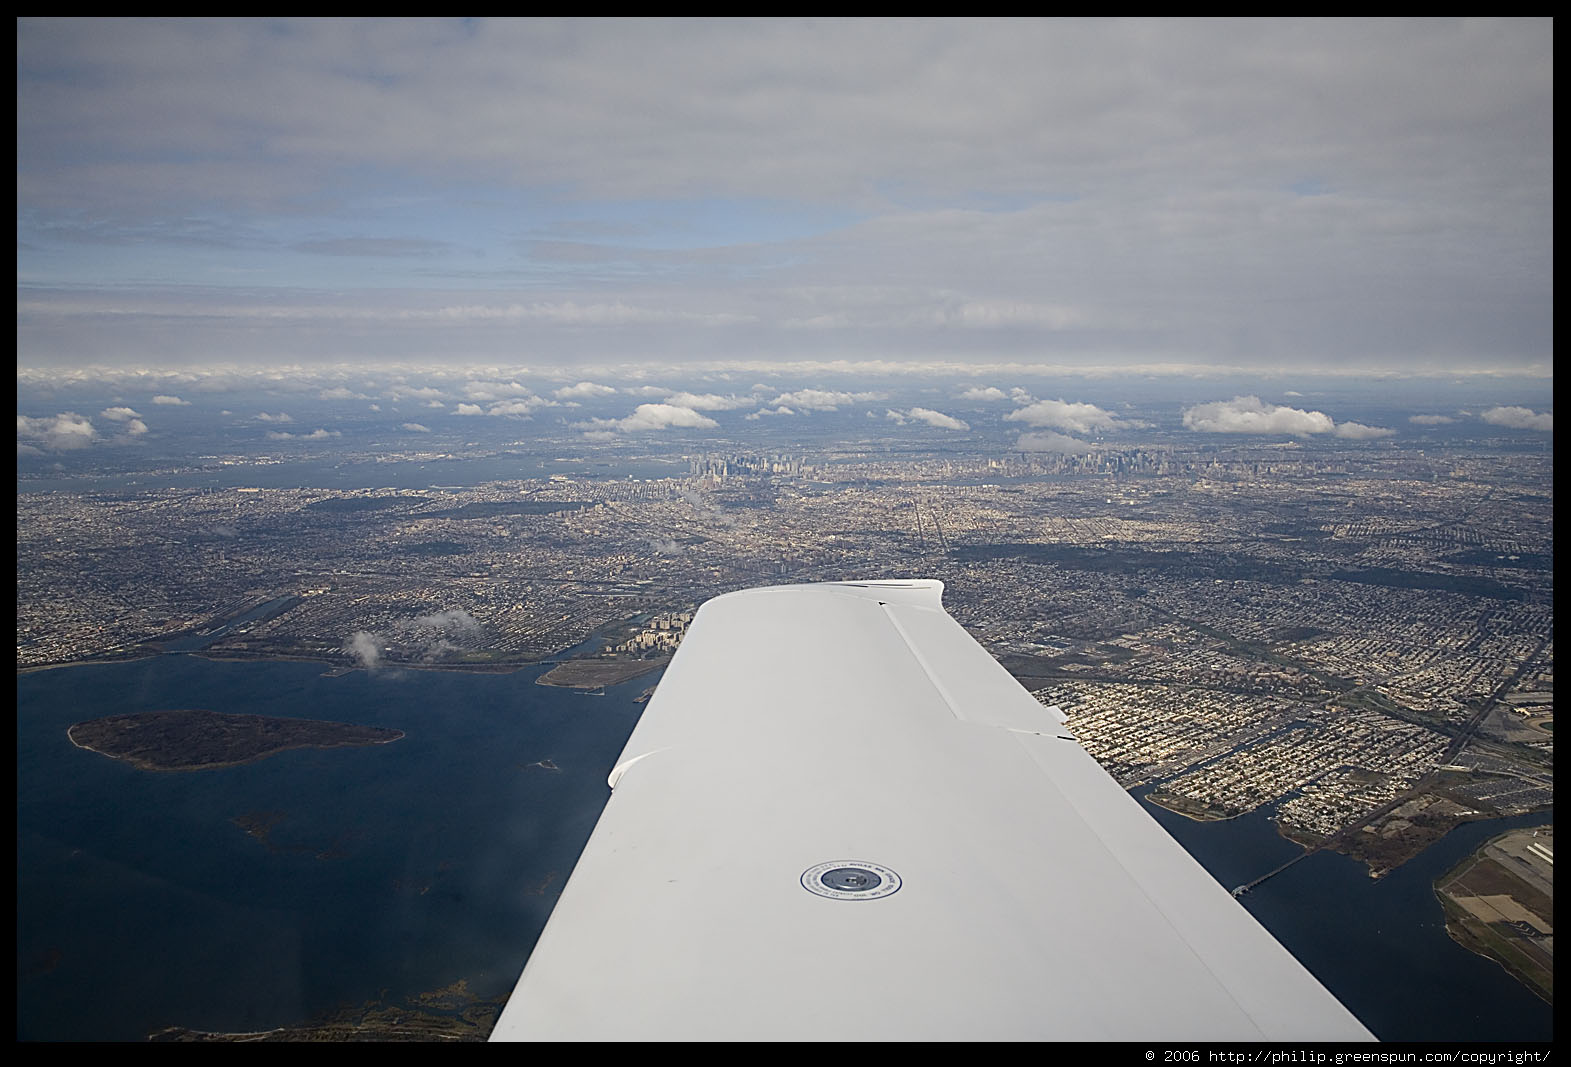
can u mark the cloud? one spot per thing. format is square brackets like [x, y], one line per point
[121, 414]
[1076, 418]
[381, 247]
[427, 638]
[415, 427]
[1357, 431]
[339, 392]
[979, 393]
[135, 428]
[315, 435]
[929, 416]
[525, 406]
[507, 398]
[280, 417]
[1022, 179]
[664, 546]
[453, 620]
[573, 314]
[1049, 441]
[650, 417]
[489, 390]
[821, 399]
[62, 432]
[423, 392]
[1430, 420]
[781, 410]
[1246, 414]
[1520, 418]
[584, 391]
[709, 401]
[365, 647]
[171, 400]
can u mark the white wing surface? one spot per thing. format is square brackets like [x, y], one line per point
[839, 818]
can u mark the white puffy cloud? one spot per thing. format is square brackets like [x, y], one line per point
[649, 417]
[282, 416]
[1246, 414]
[709, 401]
[469, 409]
[1049, 441]
[984, 393]
[121, 414]
[135, 428]
[315, 435]
[452, 620]
[428, 637]
[584, 391]
[365, 647]
[61, 432]
[483, 391]
[415, 427]
[1061, 415]
[522, 406]
[1357, 431]
[821, 399]
[173, 401]
[761, 412]
[1518, 418]
[929, 416]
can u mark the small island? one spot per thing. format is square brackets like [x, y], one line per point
[196, 740]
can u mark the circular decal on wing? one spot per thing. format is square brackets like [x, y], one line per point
[850, 880]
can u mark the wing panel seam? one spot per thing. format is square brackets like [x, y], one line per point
[949, 700]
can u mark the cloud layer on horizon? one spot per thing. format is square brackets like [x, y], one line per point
[1267, 194]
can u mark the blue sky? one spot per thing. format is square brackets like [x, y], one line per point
[1259, 196]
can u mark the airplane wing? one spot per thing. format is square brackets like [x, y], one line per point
[839, 818]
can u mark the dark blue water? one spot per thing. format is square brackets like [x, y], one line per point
[1379, 945]
[399, 869]
[389, 870]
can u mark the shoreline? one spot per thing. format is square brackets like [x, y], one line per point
[1190, 814]
[586, 675]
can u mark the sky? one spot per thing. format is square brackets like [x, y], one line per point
[599, 198]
